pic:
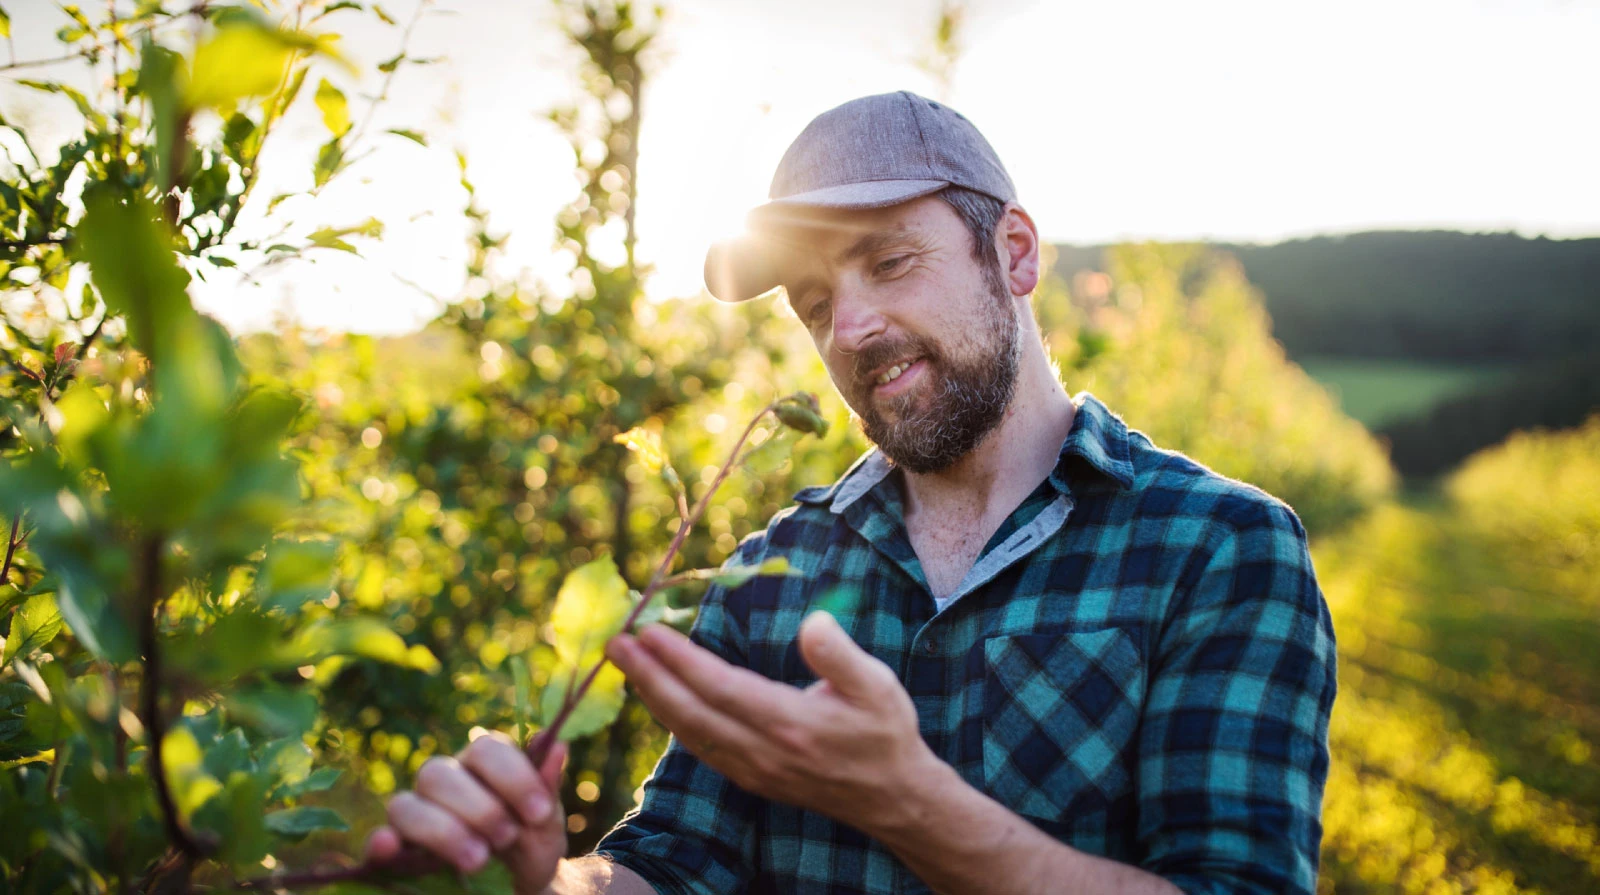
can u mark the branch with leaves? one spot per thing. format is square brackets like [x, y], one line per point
[593, 605]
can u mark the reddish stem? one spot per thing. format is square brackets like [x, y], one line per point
[412, 861]
[539, 747]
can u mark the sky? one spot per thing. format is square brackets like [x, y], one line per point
[1137, 119]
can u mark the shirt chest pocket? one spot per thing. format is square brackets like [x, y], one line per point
[1060, 715]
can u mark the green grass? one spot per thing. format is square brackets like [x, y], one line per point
[1465, 733]
[1378, 392]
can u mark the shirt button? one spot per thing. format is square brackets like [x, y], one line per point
[930, 645]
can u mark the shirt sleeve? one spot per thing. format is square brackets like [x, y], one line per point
[694, 832]
[1233, 749]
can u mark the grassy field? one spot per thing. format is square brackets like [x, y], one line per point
[1469, 710]
[1377, 392]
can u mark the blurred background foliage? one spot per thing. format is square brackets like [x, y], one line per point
[337, 542]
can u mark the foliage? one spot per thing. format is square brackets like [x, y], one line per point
[1175, 340]
[1533, 501]
[1433, 296]
[231, 567]
[469, 468]
[164, 599]
[1463, 738]
[1515, 316]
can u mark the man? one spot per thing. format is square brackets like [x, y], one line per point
[1055, 658]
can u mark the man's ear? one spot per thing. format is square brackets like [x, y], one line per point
[1017, 241]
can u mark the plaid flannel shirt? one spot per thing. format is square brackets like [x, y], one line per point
[1140, 663]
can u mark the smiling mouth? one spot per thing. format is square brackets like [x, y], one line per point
[894, 372]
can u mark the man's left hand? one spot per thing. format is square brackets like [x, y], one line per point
[847, 746]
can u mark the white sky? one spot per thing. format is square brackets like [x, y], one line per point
[1230, 119]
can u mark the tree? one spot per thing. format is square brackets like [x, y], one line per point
[160, 609]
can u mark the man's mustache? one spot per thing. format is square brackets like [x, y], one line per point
[877, 355]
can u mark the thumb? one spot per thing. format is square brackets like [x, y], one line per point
[554, 762]
[835, 658]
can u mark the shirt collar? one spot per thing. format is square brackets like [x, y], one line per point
[1098, 437]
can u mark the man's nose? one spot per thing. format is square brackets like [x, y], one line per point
[857, 319]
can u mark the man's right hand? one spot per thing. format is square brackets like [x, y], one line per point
[489, 799]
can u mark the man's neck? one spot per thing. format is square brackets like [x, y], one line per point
[1007, 465]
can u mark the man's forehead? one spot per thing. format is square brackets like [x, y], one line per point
[837, 234]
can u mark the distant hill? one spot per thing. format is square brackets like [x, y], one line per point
[1423, 295]
[1498, 332]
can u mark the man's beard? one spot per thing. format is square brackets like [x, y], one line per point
[969, 394]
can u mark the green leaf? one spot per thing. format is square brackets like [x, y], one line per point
[235, 820]
[591, 607]
[161, 77]
[341, 4]
[597, 709]
[82, 415]
[363, 636]
[130, 258]
[734, 576]
[332, 237]
[35, 623]
[286, 761]
[93, 619]
[316, 781]
[522, 689]
[259, 422]
[297, 823]
[85, 108]
[241, 60]
[296, 572]
[411, 135]
[329, 157]
[335, 108]
[228, 754]
[275, 711]
[183, 762]
[658, 612]
[240, 642]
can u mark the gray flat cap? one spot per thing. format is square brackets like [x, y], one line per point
[871, 152]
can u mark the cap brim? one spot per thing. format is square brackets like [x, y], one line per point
[748, 265]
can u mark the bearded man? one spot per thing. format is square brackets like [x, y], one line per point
[1071, 662]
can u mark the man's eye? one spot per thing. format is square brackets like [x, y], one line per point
[817, 312]
[888, 265]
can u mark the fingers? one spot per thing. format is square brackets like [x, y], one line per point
[445, 782]
[729, 689]
[420, 821]
[383, 844]
[829, 651]
[550, 772]
[698, 726]
[506, 772]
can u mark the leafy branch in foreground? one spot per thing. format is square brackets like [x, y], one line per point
[593, 605]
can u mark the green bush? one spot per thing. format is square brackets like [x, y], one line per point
[1174, 339]
[1535, 500]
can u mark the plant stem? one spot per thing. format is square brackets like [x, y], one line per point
[29, 63]
[150, 695]
[412, 860]
[12, 544]
[541, 744]
[30, 243]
